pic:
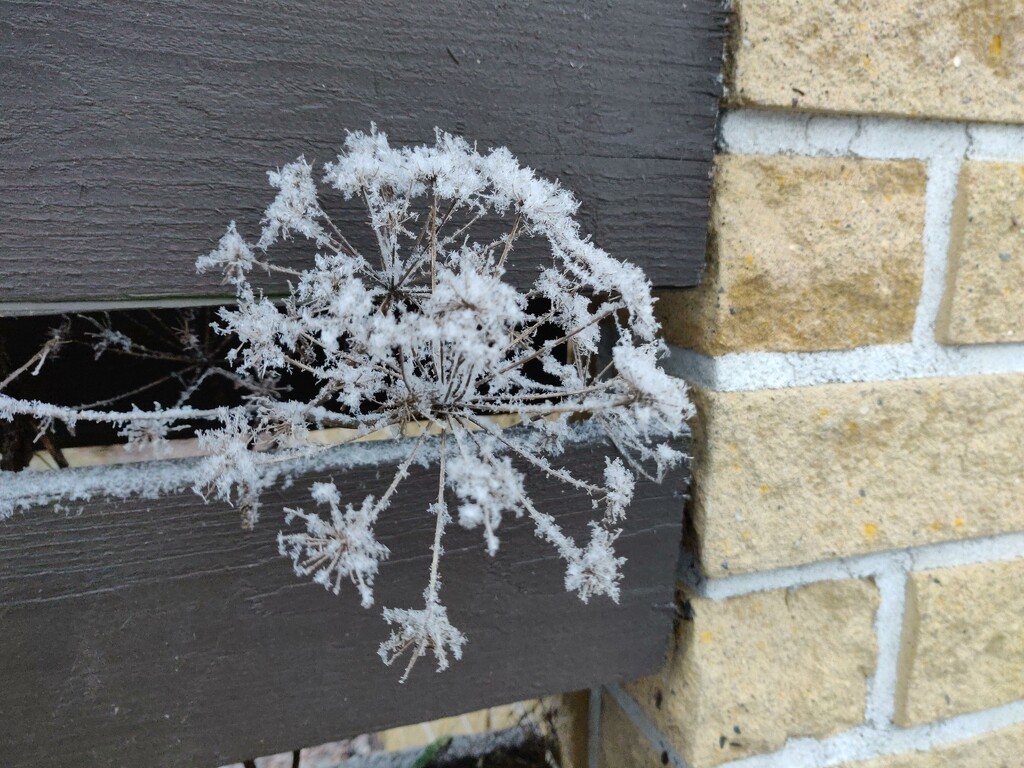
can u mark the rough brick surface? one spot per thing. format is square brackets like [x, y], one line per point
[747, 673]
[957, 59]
[805, 254]
[963, 641]
[622, 745]
[984, 299]
[791, 476]
[1002, 749]
[570, 720]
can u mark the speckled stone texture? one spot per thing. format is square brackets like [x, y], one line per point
[963, 645]
[785, 477]
[747, 673]
[953, 59]
[805, 254]
[622, 745]
[984, 298]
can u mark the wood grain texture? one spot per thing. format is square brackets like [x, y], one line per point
[131, 132]
[159, 634]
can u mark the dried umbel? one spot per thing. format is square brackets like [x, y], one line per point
[423, 333]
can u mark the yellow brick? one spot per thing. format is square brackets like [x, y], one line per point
[984, 299]
[622, 745]
[1001, 749]
[806, 254]
[790, 476]
[748, 673]
[963, 641]
[958, 59]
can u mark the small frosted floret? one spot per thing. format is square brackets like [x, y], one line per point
[341, 548]
[421, 631]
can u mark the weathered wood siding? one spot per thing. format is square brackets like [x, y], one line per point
[159, 634]
[131, 132]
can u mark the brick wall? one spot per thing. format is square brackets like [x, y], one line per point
[854, 591]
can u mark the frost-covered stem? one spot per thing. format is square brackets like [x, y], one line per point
[9, 405]
[191, 388]
[636, 465]
[454, 235]
[301, 365]
[435, 560]
[275, 268]
[137, 390]
[400, 474]
[508, 242]
[433, 244]
[529, 330]
[550, 345]
[37, 359]
[439, 526]
[557, 394]
[544, 410]
[548, 529]
[342, 240]
[558, 474]
[381, 365]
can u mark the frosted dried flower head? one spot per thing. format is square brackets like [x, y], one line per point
[420, 325]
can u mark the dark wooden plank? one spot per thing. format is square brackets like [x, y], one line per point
[131, 132]
[159, 634]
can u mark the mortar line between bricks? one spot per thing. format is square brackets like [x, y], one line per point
[948, 554]
[940, 199]
[880, 709]
[643, 724]
[757, 371]
[867, 743]
[766, 132]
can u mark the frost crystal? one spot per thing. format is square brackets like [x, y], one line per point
[418, 331]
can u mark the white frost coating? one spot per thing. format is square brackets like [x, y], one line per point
[27, 491]
[425, 329]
